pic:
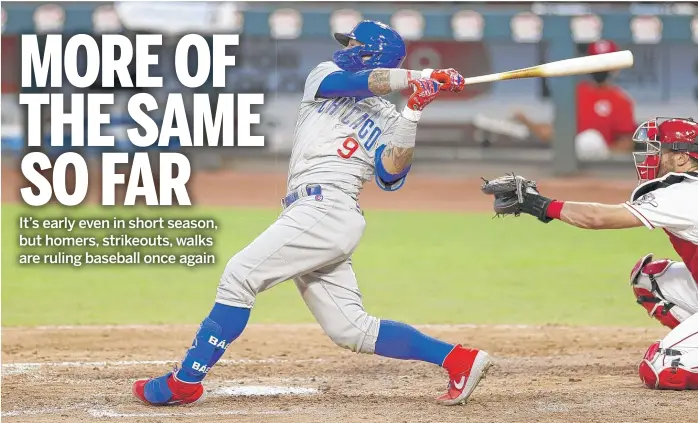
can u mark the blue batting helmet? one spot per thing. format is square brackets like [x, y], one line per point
[382, 47]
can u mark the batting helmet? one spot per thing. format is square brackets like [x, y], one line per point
[669, 134]
[382, 47]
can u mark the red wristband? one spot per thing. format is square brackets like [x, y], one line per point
[554, 209]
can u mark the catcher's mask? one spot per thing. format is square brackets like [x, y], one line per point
[382, 47]
[669, 134]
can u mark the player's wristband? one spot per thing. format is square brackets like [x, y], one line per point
[399, 79]
[555, 209]
[537, 206]
[411, 115]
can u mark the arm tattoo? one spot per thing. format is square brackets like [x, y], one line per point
[379, 82]
[396, 159]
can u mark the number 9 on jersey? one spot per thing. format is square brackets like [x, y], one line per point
[348, 148]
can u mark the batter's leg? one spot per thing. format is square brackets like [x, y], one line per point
[332, 295]
[308, 235]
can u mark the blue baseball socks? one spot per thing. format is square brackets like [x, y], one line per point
[402, 341]
[222, 326]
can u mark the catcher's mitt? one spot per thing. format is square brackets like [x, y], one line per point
[514, 195]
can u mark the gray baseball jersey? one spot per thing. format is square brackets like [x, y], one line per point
[335, 139]
[313, 239]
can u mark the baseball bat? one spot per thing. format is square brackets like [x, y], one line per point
[576, 66]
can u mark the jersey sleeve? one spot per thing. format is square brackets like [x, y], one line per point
[312, 83]
[672, 207]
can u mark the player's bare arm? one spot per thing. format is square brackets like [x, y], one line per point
[379, 81]
[515, 195]
[582, 215]
[670, 156]
[598, 216]
[394, 159]
[542, 131]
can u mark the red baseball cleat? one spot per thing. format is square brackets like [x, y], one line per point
[465, 369]
[167, 390]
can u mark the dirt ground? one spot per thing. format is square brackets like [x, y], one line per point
[542, 374]
[293, 373]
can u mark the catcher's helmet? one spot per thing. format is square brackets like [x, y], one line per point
[668, 134]
[382, 47]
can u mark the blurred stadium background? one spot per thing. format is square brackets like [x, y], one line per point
[281, 42]
[431, 253]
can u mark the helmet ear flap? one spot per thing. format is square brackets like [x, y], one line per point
[350, 59]
[383, 45]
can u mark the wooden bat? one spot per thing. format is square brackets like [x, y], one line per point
[577, 66]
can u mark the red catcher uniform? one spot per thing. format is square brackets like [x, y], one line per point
[668, 290]
[604, 108]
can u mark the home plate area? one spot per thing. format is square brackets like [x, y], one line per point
[293, 373]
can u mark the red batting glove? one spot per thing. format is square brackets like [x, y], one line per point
[424, 91]
[450, 79]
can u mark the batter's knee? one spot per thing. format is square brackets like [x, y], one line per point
[236, 288]
[354, 331]
[644, 280]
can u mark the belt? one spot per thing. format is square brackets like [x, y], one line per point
[305, 191]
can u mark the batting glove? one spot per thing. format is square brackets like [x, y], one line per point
[424, 91]
[449, 79]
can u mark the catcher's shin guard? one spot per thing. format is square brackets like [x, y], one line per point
[646, 280]
[669, 369]
[672, 363]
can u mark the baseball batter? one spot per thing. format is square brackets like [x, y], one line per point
[667, 198]
[345, 136]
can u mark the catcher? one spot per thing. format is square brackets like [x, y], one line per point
[666, 198]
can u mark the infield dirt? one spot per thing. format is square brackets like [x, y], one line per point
[541, 374]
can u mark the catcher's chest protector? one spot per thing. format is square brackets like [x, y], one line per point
[666, 181]
[686, 249]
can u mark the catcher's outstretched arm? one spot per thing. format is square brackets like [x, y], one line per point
[514, 194]
[594, 215]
